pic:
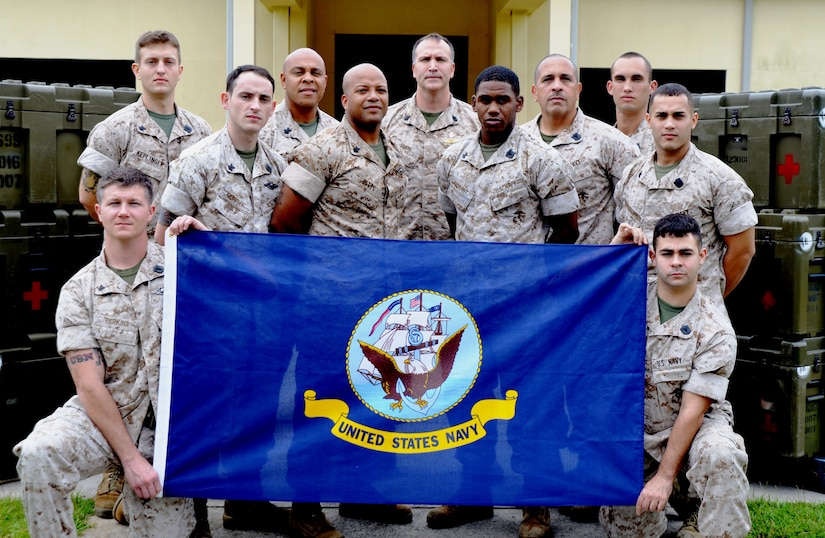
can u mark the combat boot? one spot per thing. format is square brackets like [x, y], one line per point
[690, 526]
[119, 511]
[108, 491]
[259, 516]
[394, 514]
[535, 523]
[308, 521]
[449, 516]
[202, 529]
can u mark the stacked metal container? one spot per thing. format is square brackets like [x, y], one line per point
[45, 237]
[774, 139]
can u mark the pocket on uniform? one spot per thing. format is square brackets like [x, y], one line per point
[461, 199]
[670, 375]
[509, 197]
[229, 206]
[115, 333]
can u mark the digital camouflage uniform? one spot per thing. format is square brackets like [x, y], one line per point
[131, 138]
[695, 351]
[422, 217]
[354, 195]
[97, 309]
[643, 137]
[283, 134]
[701, 186]
[598, 154]
[212, 183]
[505, 198]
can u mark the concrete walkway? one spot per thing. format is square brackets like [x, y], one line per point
[504, 523]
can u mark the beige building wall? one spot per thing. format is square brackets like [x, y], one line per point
[452, 17]
[788, 44]
[785, 49]
[700, 34]
[107, 30]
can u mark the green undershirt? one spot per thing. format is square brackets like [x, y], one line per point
[310, 128]
[548, 138]
[164, 121]
[668, 312]
[662, 171]
[430, 117]
[381, 151]
[248, 157]
[127, 274]
[488, 151]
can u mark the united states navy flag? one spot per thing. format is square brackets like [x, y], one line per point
[333, 369]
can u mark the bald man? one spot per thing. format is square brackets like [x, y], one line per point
[298, 118]
[347, 181]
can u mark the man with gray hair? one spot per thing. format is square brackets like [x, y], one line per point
[597, 152]
[425, 125]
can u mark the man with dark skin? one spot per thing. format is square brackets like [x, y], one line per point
[504, 185]
[323, 192]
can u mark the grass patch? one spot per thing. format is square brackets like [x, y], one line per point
[786, 519]
[13, 519]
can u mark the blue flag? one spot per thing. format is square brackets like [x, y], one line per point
[300, 368]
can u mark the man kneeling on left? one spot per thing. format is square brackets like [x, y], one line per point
[108, 328]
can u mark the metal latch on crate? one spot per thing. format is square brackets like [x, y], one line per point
[71, 116]
[734, 121]
[786, 117]
[9, 109]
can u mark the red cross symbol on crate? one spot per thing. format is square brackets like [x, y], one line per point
[788, 169]
[36, 295]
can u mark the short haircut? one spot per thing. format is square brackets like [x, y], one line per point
[439, 37]
[629, 55]
[677, 225]
[156, 37]
[257, 69]
[671, 89]
[499, 73]
[125, 177]
[556, 55]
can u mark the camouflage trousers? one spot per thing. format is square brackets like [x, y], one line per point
[65, 448]
[715, 469]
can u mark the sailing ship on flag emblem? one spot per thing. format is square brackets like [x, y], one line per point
[416, 368]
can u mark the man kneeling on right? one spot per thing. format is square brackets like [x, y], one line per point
[689, 438]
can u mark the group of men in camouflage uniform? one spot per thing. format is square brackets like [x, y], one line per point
[430, 167]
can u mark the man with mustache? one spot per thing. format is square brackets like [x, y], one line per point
[597, 152]
[298, 118]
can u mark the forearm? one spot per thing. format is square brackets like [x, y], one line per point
[740, 249]
[292, 213]
[165, 218]
[87, 192]
[104, 414]
[688, 422]
[735, 266]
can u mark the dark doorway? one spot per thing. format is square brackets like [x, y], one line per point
[393, 55]
[115, 73]
[596, 102]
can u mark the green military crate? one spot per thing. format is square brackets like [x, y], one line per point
[43, 130]
[45, 237]
[777, 392]
[782, 292]
[772, 139]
